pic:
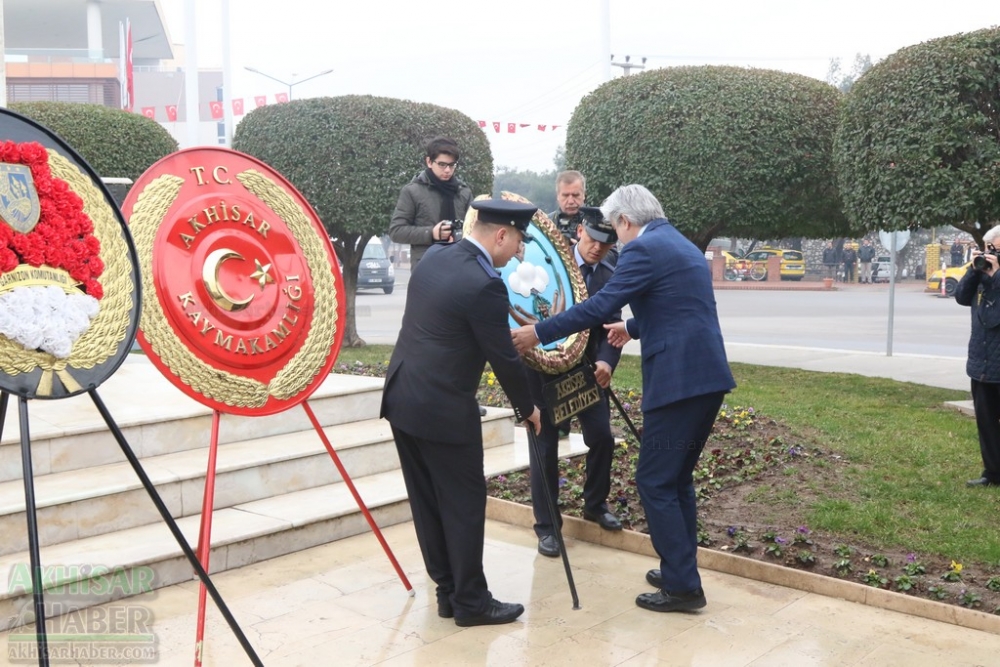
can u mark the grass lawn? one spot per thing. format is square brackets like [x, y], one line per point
[908, 456]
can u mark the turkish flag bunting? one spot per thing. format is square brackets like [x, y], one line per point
[482, 123]
[281, 97]
[525, 124]
[149, 112]
[172, 113]
[238, 107]
[541, 128]
[511, 128]
[260, 100]
[496, 126]
[554, 127]
[216, 109]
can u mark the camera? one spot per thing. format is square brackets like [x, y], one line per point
[451, 229]
[980, 263]
[567, 224]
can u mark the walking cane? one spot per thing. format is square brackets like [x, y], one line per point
[553, 512]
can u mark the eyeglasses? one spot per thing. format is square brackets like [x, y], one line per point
[446, 165]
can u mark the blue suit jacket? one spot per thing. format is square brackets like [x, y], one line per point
[666, 281]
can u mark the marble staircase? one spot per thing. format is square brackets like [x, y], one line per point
[277, 490]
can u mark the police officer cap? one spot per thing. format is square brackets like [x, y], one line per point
[597, 227]
[503, 212]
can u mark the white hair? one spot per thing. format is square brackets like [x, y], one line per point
[991, 235]
[633, 201]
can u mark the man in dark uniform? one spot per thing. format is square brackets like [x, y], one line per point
[455, 321]
[596, 237]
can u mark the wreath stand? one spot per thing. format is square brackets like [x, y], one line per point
[205, 531]
[37, 583]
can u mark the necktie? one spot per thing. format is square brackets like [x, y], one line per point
[587, 270]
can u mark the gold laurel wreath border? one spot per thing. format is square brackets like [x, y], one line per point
[568, 354]
[151, 207]
[110, 327]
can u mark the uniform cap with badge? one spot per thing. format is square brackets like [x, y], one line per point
[504, 212]
[597, 226]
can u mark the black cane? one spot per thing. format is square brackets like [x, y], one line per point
[628, 420]
[554, 514]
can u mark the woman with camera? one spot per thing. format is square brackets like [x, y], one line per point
[979, 289]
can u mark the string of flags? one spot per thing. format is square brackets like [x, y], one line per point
[513, 127]
[217, 112]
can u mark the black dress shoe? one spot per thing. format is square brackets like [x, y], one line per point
[665, 601]
[982, 481]
[654, 579]
[605, 519]
[482, 411]
[444, 609]
[547, 546]
[496, 614]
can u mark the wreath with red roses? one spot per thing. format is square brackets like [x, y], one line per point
[64, 237]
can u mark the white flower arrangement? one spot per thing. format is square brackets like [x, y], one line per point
[528, 277]
[46, 318]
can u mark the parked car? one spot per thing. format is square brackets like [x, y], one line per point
[375, 270]
[793, 264]
[952, 275]
[881, 269]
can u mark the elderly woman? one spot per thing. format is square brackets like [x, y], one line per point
[980, 290]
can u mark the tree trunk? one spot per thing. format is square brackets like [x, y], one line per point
[349, 253]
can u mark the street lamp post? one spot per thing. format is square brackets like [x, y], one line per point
[290, 84]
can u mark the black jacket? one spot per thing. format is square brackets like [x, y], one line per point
[982, 294]
[455, 320]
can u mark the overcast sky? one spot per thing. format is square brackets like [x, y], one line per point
[531, 61]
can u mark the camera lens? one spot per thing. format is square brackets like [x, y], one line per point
[980, 263]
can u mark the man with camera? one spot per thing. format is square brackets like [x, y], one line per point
[979, 289]
[571, 190]
[431, 207]
[595, 238]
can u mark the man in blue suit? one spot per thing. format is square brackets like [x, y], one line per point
[665, 280]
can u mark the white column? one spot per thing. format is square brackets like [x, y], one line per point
[192, 119]
[227, 76]
[3, 62]
[95, 38]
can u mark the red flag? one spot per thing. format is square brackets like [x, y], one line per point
[511, 128]
[525, 124]
[172, 113]
[281, 97]
[260, 100]
[129, 72]
[215, 108]
[554, 127]
[482, 123]
[238, 107]
[496, 126]
[541, 128]
[149, 112]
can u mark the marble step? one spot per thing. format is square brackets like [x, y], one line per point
[148, 557]
[83, 503]
[156, 418]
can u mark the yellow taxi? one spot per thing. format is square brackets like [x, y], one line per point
[793, 264]
[952, 275]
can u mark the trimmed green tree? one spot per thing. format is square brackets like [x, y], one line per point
[746, 152]
[919, 137]
[350, 156]
[115, 143]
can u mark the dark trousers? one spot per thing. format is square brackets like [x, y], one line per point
[986, 400]
[447, 492]
[595, 422]
[672, 439]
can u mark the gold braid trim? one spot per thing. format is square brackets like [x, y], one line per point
[299, 372]
[150, 209]
[109, 328]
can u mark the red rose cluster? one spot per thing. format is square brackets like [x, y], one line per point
[64, 236]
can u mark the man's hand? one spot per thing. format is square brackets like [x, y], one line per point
[602, 373]
[617, 334]
[442, 232]
[524, 338]
[534, 421]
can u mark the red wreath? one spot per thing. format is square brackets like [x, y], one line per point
[64, 236]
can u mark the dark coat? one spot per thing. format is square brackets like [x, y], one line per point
[830, 256]
[982, 294]
[418, 209]
[667, 283]
[455, 321]
[866, 253]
